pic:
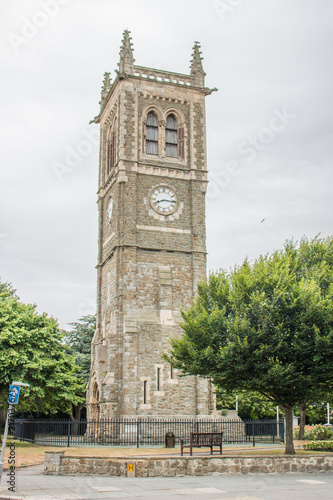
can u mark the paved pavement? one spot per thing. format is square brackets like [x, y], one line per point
[31, 484]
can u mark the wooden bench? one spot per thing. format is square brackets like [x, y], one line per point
[203, 439]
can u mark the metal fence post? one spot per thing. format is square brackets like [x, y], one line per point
[138, 433]
[68, 433]
[253, 439]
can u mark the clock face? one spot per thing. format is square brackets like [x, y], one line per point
[110, 206]
[164, 200]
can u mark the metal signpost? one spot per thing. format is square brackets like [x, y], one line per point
[14, 392]
[328, 414]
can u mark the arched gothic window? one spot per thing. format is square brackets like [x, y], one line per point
[171, 142]
[152, 134]
[111, 149]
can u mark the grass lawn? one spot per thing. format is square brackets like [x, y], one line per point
[26, 454]
[30, 454]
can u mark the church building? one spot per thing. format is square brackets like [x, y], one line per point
[152, 238]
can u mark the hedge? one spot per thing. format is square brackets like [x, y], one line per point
[319, 446]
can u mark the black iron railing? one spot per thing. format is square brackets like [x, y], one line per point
[142, 432]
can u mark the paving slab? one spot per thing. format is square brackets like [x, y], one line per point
[33, 485]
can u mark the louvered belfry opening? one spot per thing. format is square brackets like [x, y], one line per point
[152, 134]
[181, 142]
[171, 145]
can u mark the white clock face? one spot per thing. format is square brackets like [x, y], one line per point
[164, 200]
[110, 207]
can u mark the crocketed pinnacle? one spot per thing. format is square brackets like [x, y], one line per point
[197, 70]
[126, 54]
[106, 85]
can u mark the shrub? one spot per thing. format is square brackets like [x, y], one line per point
[319, 446]
[315, 433]
[320, 433]
[307, 429]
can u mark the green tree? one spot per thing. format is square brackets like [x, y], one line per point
[79, 341]
[32, 351]
[316, 412]
[266, 327]
[251, 405]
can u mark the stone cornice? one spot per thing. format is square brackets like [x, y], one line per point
[143, 168]
[148, 249]
[156, 76]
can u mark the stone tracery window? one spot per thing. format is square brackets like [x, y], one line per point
[152, 134]
[111, 145]
[181, 143]
[171, 139]
[172, 135]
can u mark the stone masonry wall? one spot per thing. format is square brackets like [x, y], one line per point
[149, 264]
[58, 464]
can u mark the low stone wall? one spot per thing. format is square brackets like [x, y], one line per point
[56, 463]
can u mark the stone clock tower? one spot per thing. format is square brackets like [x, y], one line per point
[152, 251]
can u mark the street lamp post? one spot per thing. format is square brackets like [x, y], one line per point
[14, 392]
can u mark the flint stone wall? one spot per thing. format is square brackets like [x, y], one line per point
[56, 463]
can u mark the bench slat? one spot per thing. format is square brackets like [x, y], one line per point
[203, 439]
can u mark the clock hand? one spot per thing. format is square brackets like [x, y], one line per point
[170, 201]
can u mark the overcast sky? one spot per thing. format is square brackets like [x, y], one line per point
[269, 128]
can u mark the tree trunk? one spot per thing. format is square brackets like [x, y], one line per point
[302, 422]
[289, 440]
[78, 410]
[76, 418]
